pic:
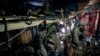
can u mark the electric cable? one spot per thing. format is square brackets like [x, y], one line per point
[27, 22]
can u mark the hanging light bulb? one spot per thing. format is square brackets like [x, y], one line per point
[61, 22]
[71, 16]
[63, 30]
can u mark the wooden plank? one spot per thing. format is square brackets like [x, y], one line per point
[16, 17]
[22, 24]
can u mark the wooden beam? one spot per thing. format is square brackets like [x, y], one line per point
[22, 24]
[17, 17]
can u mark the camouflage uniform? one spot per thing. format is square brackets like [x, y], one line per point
[81, 45]
[52, 34]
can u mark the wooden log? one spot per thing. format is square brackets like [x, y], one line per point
[21, 24]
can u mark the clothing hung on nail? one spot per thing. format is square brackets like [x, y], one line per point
[26, 37]
[90, 21]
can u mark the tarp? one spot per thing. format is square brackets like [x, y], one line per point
[90, 20]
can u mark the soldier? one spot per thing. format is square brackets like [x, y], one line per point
[52, 30]
[79, 40]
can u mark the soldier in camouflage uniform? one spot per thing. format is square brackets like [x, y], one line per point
[52, 30]
[79, 40]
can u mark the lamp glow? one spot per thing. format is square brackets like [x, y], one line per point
[71, 16]
[61, 22]
[63, 30]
